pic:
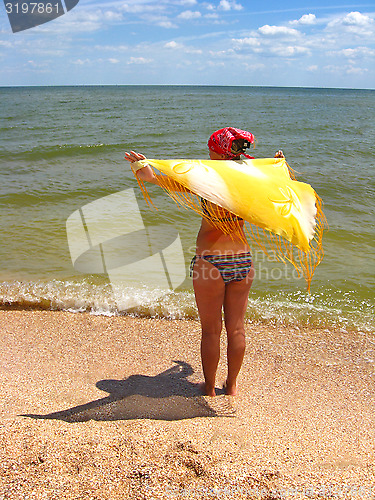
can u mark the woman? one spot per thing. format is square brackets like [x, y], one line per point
[222, 269]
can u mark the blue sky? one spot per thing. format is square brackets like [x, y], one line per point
[218, 42]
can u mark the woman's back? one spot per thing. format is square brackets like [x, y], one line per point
[211, 239]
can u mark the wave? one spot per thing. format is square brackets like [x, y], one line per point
[85, 296]
[297, 309]
[62, 150]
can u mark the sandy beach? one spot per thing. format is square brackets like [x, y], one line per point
[98, 407]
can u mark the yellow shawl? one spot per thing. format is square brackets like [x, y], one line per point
[285, 216]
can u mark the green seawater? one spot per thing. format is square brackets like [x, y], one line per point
[62, 148]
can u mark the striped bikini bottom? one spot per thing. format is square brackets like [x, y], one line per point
[231, 267]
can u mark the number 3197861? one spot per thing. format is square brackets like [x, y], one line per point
[31, 8]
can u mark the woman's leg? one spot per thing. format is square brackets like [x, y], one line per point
[209, 292]
[235, 303]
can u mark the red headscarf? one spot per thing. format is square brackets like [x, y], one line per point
[221, 141]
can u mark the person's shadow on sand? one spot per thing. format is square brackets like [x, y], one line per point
[167, 396]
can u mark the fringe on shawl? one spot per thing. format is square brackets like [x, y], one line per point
[273, 245]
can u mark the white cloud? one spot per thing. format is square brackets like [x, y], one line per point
[227, 5]
[134, 8]
[148, 12]
[34, 64]
[349, 70]
[187, 15]
[189, 3]
[79, 21]
[113, 48]
[251, 41]
[76, 24]
[306, 19]
[81, 62]
[290, 51]
[193, 51]
[254, 67]
[353, 23]
[221, 53]
[179, 46]
[259, 46]
[212, 15]
[173, 45]
[357, 19]
[216, 64]
[113, 61]
[166, 24]
[356, 71]
[112, 16]
[139, 60]
[275, 42]
[268, 30]
[357, 52]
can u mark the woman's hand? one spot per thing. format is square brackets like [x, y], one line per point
[144, 174]
[279, 154]
[133, 156]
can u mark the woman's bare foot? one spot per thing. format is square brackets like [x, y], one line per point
[230, 389]
[205, 390]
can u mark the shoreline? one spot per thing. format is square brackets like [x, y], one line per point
[310, 324]
[334, 311]
[108, 407]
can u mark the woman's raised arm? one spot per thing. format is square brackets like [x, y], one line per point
[146, 173]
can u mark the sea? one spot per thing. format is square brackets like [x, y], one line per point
[77, 234]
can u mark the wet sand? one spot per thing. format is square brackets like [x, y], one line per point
[100, 408]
